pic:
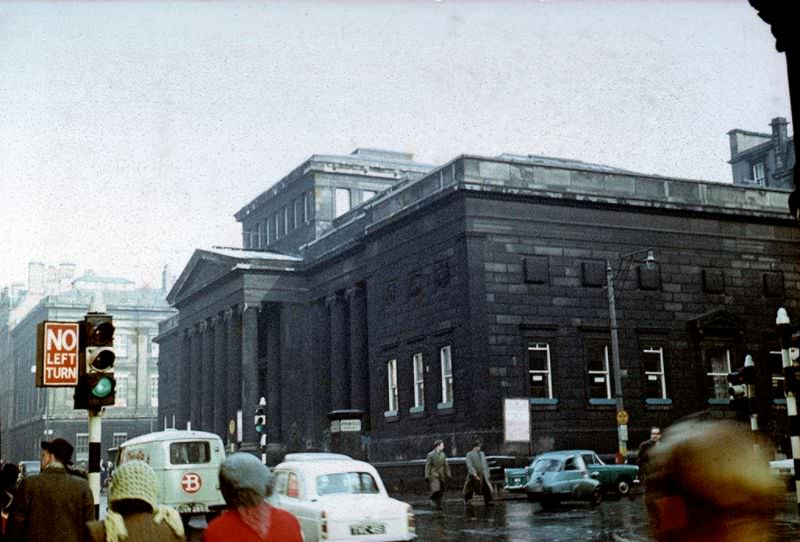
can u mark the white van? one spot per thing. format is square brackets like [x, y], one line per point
[186, 464]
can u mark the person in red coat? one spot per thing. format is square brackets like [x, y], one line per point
[245, 482]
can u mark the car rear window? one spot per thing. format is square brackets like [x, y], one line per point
[547, 465]
[346, 482]
[189, 453]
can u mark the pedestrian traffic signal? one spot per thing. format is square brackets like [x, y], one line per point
[260, 420]
[97, 385]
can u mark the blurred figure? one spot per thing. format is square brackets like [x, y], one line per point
[643, 456]
[9, 477]
[53, 501]
[437, 471]
[707, 483]
[245, 482]
[133, 514]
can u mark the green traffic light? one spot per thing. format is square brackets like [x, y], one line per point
[103, 388]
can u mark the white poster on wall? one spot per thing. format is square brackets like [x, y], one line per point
[517, 420]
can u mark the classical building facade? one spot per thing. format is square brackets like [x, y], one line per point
[30, 414]
[379, 303]
[760, 159]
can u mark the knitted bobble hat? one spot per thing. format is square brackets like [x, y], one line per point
[134, 480]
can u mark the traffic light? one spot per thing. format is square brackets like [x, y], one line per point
[260, 420]
[96, 385]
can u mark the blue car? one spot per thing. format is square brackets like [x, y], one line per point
[561, 476]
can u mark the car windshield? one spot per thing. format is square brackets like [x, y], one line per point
[547, 465]
[346, 482]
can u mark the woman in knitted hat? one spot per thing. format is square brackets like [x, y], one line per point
[245, 482]
[134, 515]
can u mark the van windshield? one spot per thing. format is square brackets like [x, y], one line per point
[186, 453]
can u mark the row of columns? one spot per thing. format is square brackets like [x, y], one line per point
[218, 372]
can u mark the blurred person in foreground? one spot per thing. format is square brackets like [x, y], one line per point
[9, 475]
[245, 482]
[54, 504]
[134, 514]
[706, 481]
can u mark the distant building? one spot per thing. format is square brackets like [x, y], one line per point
[379, 303]
[759, 159]
[29, 414]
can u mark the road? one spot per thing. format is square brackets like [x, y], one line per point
[517, 520]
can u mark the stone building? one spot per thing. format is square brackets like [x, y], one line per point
[379, 303]
[759, 159]
[30, 414]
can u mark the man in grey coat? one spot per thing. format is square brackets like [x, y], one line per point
[437, 471]
[478, 480]
[53, 505]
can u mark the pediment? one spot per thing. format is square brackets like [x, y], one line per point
[717, 322]
[202, 269]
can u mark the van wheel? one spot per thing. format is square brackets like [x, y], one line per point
[531, 497]
[623, 486]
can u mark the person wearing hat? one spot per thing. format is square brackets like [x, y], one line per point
[245, 482]
[477, 475]
[134, 514]
[53, 501]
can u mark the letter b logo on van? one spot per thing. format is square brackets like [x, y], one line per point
[191, 482]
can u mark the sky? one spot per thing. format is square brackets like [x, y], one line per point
[132, 131]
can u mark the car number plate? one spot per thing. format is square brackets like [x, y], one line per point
[367, 528]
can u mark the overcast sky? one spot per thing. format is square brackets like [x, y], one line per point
[131, 132]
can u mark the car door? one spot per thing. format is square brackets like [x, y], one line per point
[572, 475]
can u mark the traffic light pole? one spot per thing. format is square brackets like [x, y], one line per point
[95, 434]
[785, 334]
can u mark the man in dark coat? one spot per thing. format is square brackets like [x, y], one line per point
[54, 504]
[437, 471]
[643, 457]
[478, 480]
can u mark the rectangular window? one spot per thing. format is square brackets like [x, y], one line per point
[308, 211]
[298, 212]
[342, 202]
[267, 232]
[419, 382]
[277, 228]
[259, 235]
[653, 363]
[367, 195]
[81, 446]
[118, 438]
[121, 391]
[121, 345]
[775, 360]
[153, 390]
[153, 348]
[599, 381]
[758, 173]
[541, 386]
[391, 375]
[446, 362]
[718, 364]
[285, 220]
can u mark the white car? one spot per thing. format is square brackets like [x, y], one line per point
[337, 498]
[784, 470]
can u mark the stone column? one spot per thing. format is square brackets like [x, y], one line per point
[207, 404]
[196, 391]
[220, 381]
[321, 360]
[340, 377]
[273, 384]
[359, 364]
[184, 387]
[233, 372]
[250, 388]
